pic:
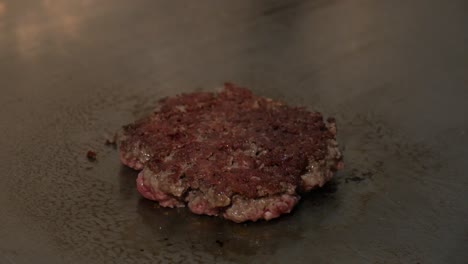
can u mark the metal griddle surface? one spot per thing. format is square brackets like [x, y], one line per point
[393, 73]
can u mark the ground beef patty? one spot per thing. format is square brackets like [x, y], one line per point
[231, 154]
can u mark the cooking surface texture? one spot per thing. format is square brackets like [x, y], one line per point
[393, 73]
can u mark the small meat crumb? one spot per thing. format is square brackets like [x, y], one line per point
[91, 155]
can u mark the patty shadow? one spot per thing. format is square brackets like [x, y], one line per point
[179, 229]
[127, 182]
[215, 236]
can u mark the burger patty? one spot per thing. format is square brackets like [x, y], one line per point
[231, 154]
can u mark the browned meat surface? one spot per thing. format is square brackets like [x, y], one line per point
[231, 154]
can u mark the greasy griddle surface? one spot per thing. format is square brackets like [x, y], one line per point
[393, 74]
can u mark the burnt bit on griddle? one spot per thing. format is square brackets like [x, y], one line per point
[358, 176]
[91, 155]
[111, 140]
[220, 243]
[354, 179]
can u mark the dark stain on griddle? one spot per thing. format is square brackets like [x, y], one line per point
[219, 242]
[295, 6]
[356, 179]
[358, 175]
[282, 7]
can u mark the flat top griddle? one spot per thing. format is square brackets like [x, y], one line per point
[393, 73]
